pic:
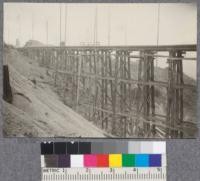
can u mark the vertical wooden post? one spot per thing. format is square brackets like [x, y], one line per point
[79, 63]
[66, 75]
[170, 95]
[7, 90]
[112, 89]
[129, 94]
[56, 67]
[145, 93]
[146, 75]
[95, 83]
[106, 87]
[102, 87]
[152, 94]
[90, 85]
[114, 93]
[179, 94]
[139, 93]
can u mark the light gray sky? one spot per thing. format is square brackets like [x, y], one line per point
[137, 22]
[130, 24]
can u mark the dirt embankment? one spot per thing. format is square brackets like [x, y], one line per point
[36, 109]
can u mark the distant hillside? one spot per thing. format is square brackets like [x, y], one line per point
[34, 43]
[189, 95]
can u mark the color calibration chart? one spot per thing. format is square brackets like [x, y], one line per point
[109, 161]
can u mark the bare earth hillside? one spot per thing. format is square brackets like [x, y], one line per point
[36, 109]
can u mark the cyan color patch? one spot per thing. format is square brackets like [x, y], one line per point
[142, 160]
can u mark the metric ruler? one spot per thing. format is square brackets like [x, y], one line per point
[80, 161]
[103, 174]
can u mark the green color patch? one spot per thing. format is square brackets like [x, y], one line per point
[128, 160]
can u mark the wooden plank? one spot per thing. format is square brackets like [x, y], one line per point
[157, 121]
[189, 47]
[150, 83]
[7, 91]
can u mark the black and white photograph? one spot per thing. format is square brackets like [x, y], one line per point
[108, 70]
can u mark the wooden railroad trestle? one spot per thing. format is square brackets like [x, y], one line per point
[108, 88]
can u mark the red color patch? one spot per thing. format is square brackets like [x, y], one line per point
[102, 160]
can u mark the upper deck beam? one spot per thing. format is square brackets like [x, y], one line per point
[191, 47]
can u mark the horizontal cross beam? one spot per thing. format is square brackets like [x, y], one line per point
[190, 47]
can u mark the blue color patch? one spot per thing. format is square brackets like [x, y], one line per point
[155, 160]
[142, 160]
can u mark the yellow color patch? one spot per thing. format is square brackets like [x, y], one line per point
[115, 160]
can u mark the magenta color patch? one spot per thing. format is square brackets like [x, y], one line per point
[90, 160]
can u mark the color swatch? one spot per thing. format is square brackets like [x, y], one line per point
[102, 160]
[115, 160]
[128, 160]
[90, 160]
[114, 147]
[84, 154]
[106, 160]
